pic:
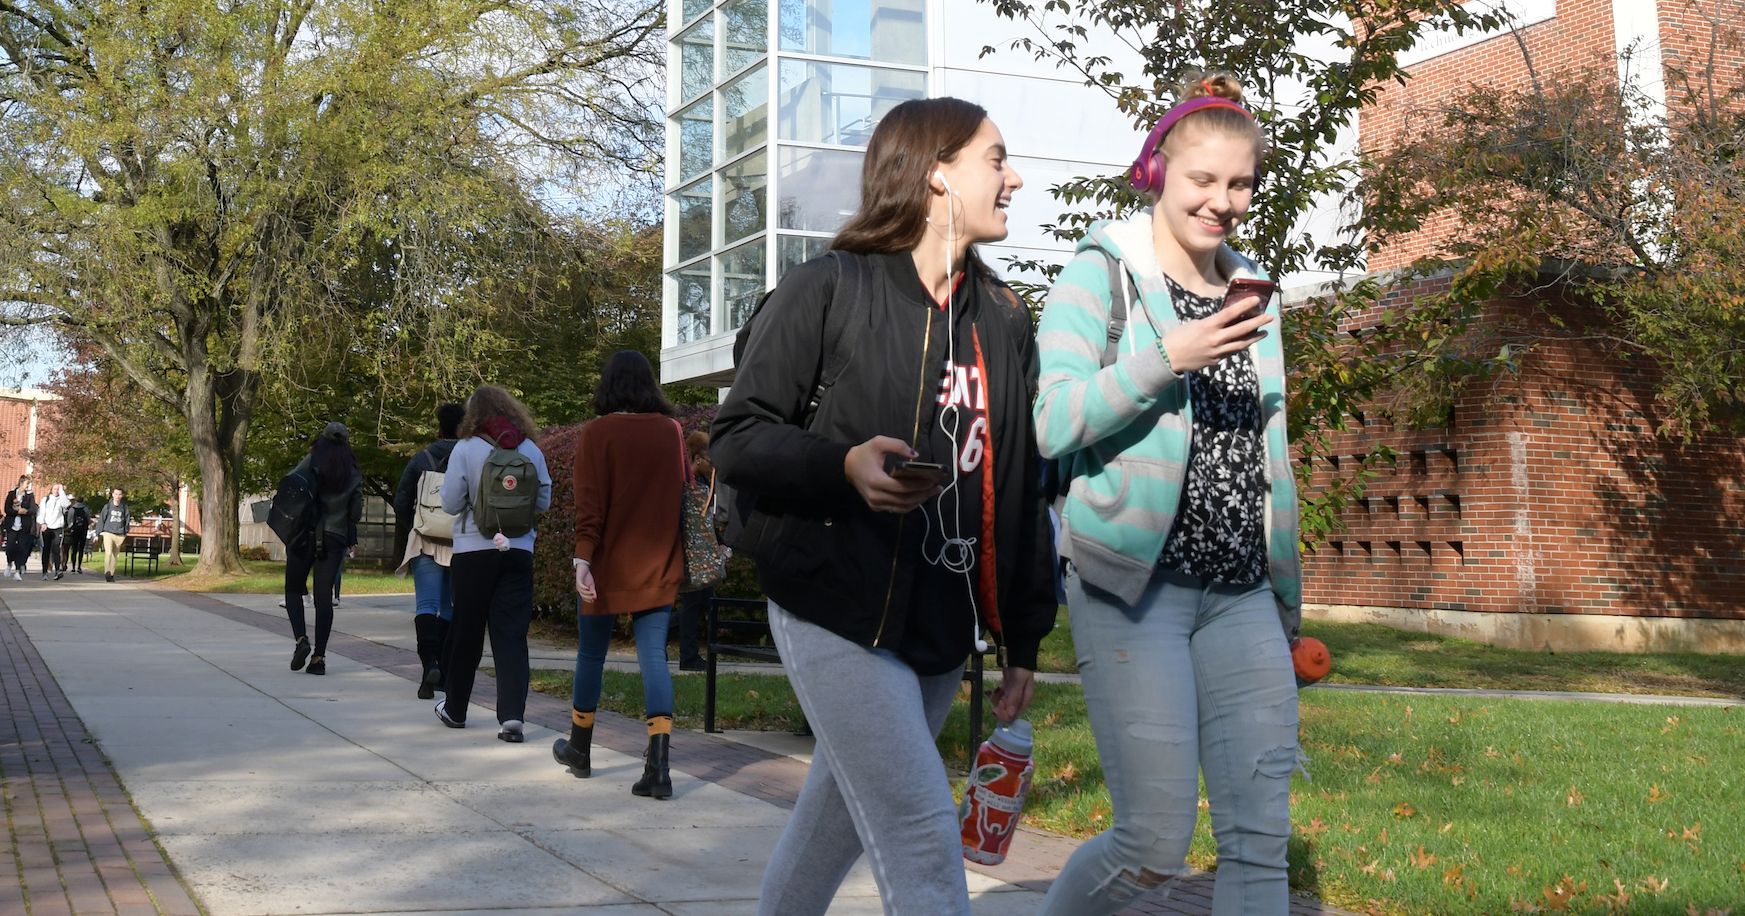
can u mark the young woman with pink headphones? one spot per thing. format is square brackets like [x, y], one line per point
[1163, 400]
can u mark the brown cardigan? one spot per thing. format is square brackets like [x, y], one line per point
[629, 477]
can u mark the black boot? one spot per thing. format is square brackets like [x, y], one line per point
[657, 779]
[574, 751]
[442, 631]
[429, 654]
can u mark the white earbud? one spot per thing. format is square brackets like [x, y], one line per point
[941, 176]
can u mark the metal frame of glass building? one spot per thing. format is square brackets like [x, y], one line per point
[770, 104]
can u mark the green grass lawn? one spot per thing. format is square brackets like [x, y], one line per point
[1367, 653]
[1427, 806]
[266, 577]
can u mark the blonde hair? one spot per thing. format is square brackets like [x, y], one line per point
[490, 401]
[1225, 121]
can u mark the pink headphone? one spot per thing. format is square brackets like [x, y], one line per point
[1146, 175]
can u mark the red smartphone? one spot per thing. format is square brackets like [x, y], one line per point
[1242, 288]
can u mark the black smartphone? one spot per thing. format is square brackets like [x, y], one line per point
[909, 470]
[1242, 288]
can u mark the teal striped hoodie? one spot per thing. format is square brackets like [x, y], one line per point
[1122, 432]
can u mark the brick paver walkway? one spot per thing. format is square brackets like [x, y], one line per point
[78, 845]
[1033, 862]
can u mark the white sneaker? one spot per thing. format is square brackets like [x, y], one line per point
[510, 731]
[336, 602]
[281, 602]
[16, 576]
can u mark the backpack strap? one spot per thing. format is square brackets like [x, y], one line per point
[1117, 310]
[841, 327]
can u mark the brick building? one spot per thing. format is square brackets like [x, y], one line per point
[23, 425]
[1547, 513]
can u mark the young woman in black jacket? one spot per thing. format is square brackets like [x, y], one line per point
[339, 483]
[882, 583]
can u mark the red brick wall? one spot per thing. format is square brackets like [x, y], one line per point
[1579, 37]
[1548, 493]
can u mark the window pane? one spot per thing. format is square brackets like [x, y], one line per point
[694, 212]
[694, 8]
[893, 31]
[745, 105]
[743, 190]
[741, 283]
[840, 103]
[696, 138]
[820, 188]
[693, 311]
[795, 250]
[745, 24]
[697, 60]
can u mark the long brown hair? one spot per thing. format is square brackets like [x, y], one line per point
[490, 401]
[906, 146]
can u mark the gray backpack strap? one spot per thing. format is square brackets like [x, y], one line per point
[1117, 310]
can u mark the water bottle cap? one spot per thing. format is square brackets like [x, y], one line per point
[1014, 738]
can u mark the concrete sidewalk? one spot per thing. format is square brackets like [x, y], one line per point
[274, 791]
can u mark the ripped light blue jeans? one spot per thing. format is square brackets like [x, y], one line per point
[1193, 679]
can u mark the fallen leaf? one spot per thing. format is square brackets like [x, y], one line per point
[1575, 797]
[1051, 718]
[1451, 874]
[1671, 723]
[1315, 826]
[1387, 875]
[1459, 779]
[1515, 869]
[1522, 907]
[1382, 837]
[1560, 895]
[1447, 827]
[1454, 719]
[1370, 868]
[1404, 810]
[1699, 759]
[751, 694]
[1615, 902]
[1375, 777]
[1421, 859]
[1655, 796]
[1655, 886]
[1067, 772]
[1395, 759]
[1491, 752]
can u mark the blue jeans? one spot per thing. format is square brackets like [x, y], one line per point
[594, 637]
[1192, 680]
[434, 586]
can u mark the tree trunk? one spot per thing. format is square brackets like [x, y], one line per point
[219, 555]
[175, 522]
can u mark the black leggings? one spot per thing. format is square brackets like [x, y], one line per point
[492, 589]
[75, 547]
[52, 557]
[297, 567]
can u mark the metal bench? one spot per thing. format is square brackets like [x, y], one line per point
[143, 550]
[754, 649]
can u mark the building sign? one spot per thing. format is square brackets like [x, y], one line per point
[1518, 13]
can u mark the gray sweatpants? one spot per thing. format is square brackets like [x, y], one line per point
[876, 784]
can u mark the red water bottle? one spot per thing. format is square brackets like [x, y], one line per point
[994, 798]
[1310, 658]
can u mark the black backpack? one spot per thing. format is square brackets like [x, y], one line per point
[296, 513]
[850, 300]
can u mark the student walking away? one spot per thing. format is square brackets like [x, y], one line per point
[630, 471]
[693, 603]
[339, 502]
[429, 545]
[881, 578]
[496, 485]
[52, 523]
[78, 531]
[112, 526]
[20, 524]
[1179, 520]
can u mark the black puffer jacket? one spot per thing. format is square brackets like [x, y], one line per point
[821, 553]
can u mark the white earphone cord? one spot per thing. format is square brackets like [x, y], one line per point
[956, 554]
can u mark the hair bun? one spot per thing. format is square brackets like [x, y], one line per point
[1214, 83]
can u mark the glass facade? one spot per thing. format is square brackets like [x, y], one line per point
[749, 199]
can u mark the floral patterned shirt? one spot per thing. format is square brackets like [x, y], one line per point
[1220, 529]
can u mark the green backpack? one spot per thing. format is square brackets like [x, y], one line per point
[508, 492]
